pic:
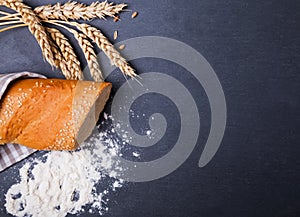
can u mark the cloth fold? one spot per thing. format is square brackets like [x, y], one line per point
[13, 153]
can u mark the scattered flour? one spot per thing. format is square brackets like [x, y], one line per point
[135, 154]
[65, 182]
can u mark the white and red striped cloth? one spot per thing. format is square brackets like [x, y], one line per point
[13, 153]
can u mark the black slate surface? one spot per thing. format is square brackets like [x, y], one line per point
[254, 48]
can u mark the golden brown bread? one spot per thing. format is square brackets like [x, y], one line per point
[51, 114]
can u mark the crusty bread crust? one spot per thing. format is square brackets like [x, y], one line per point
[51, 114]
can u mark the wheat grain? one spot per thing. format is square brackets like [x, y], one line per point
[74, 10]
[134, 14]
[121, 47]
[72, 62]
[102, 42]
[116, 19]
[34, 26]
[115, 35]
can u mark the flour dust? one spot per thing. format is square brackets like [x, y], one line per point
[63, 182]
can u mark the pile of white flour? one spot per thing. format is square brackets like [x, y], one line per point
[65, 182]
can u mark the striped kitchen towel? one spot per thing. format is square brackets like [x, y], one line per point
[13, 153]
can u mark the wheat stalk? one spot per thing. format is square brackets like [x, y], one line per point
[12, 27]
[72, 62]
[74, 10]
[29, 18]
[88, 51]
[10, 22]
[102, 42]
[67, 59]
[59, 60]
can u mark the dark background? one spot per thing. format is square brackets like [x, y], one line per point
[254, 47]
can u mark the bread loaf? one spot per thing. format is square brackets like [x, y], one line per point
[51, 114]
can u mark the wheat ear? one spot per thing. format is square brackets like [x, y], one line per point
[88, 51]
[34, 25]
[74, 10]
[102, 42]
[90, 56]
[59, 60]
[73, 64]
